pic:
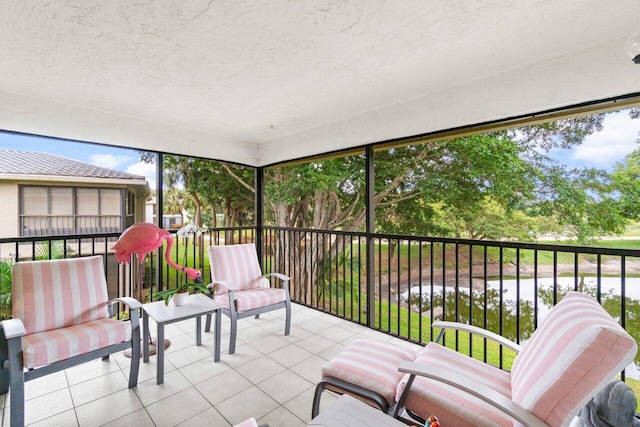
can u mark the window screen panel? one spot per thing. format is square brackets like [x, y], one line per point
[34, 201]
[87, 201]
[61, 201]
[110, 202]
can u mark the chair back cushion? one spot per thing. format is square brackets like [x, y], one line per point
[55, 294]
[237, 265]
[577, 350]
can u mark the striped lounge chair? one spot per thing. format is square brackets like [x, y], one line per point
[241, 288]
[61, 318]
[577, 351]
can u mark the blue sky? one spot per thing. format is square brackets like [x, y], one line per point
[100, 155]
[604, 149]
[601, 150]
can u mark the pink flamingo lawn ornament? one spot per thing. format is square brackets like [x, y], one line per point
[144, 237]
[140, 239]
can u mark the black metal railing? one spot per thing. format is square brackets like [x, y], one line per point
[505, 287]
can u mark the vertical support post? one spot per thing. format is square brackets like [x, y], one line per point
[159, 216]
[259, 212]
[370, 228]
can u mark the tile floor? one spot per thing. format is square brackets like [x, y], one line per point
[270, 377]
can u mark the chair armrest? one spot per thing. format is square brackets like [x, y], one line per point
[478, 331]
[278, 275]
[132, 303]
[474, 388]
[229, 286]
[13, 328]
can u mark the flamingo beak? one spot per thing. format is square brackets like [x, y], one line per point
[198, 280]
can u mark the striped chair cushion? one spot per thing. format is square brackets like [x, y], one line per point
[454, 407]
[252, 298]
[370, 364]
[576, 351]
[51, 346]
[55, 294]
[236, 264]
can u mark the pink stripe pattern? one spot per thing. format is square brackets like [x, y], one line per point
[454, 407]
[370, 364]
[236, 264]
[252, 298]
[51, 346]
[56, 294]
[575, 352]
[63, 306]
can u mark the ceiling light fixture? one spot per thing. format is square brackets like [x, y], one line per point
[632, 46]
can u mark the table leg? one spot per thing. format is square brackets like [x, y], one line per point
[145, 334]
[198, 330]
[216, 336]
[160, 354]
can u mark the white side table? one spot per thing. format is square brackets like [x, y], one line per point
[196, 306]
[350, 412]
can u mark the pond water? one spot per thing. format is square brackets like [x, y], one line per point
[609, 286]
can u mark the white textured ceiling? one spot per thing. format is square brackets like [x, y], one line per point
[258, 82]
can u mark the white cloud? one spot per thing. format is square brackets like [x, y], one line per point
[147, 170]
[110, 161]
[616, 140]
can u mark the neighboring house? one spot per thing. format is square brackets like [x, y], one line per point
[45, 194]
[169, 221]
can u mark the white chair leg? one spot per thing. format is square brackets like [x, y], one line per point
[287, 325]
[234, 331]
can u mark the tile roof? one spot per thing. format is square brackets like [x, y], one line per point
[35, 163]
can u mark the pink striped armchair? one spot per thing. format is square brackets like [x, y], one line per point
[240, 287]
[577, 351]
[61, 318]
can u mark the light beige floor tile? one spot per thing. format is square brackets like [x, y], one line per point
[210, 417]
[269, 344]
[178, 408]
[336, 334]
[202, 370]
[315, 343]
[149, 370]
[309, 369]
[252, 402]
[64, 419]
[301, 405]
[244, 353]
[139, 418]
[43, 385]
[290, 355]
[189, 355]
[281, 417]
[297, 333]
[150, 392]
[96, 388]
[108, 408]
[331, 352]
[45, 406]
[223, 386]
[87, 371]
[253, 333]
[260, 369]
[315, 325]
[284, 386]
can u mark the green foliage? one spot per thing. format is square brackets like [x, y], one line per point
[167, 294]
[627, 179]
[5, 289]
[55, 249]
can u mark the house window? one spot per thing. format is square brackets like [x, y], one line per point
[47, 211]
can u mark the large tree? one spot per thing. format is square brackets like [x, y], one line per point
[437, 187]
